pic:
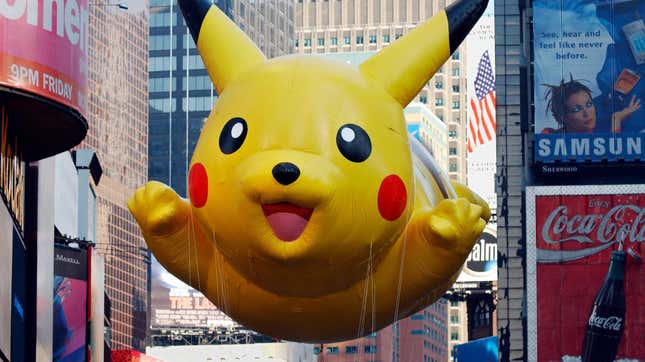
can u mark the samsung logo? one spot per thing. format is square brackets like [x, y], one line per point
[577, 147]
[65, 259]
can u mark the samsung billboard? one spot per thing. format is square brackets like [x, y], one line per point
[588, 65]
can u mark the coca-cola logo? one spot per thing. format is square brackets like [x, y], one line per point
[593, 232]
[610, 323]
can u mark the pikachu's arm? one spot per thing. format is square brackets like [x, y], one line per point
[434, 247]
[172, 233]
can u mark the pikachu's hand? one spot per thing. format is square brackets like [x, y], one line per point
[463, 191]
[455, 225]
[158, 209]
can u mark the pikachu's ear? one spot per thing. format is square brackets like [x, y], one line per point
[224, 48]
[407, 64]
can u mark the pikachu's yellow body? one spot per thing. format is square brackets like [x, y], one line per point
[304, 219]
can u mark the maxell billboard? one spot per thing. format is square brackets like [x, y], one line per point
[175, 304]
[70, 304]
[585, 289]
[588, 65]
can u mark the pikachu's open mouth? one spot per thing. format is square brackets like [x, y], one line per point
[287, 220]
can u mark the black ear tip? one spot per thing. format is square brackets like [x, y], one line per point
[194, 12]
[462, 16]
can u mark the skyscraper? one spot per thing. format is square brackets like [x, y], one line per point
[118, 132]
[181, 93]
[370, 25]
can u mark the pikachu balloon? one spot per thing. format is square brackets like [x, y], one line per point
[309, 218]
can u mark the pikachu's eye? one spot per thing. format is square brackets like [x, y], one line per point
[233, 135]
[353, 142]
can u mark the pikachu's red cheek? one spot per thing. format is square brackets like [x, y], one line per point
[198, 185]
[392, 197]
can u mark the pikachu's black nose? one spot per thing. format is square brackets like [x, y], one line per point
[286, 173]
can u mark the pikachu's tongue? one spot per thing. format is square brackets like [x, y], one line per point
[287, 221]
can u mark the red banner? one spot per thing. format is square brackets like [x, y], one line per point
[574, 239]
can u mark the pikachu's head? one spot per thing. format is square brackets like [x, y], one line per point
[303, 168]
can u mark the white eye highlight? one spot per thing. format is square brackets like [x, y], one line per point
[347, 134]
[237, 129]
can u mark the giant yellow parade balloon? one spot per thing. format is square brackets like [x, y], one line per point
[309, 218]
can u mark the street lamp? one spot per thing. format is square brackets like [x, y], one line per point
[122, 6]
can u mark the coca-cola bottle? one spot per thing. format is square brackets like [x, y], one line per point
[607, 320]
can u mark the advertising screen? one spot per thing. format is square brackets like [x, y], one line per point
[70, 304]
[43, 49]
[175, 304]
[481, 264]
[589, 83]
[482, 125]
[585, 287]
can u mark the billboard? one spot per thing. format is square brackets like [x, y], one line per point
[175, 304]
[588, 65]
[70, 304]
[481, 264]
[585, 289]
[43, 49]
[482, 144]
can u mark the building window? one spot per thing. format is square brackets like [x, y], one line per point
[307, 42]
[370, 348]
[453, 318]
[455, 105]
[372, 39]
[321, 42]
[351, 350]
[438, 102]
[316, 350]
[455, 72]
[452, 134]
[332, 350]
[455, 88]
[296, 43]
[453, 168]
[359, 39]
[454, 336]
[347, 40]
[438, 85]
[423, 99]
[455, 55]
[452, 151]
[386, 38]
[334, 40]
[454, 303]
[397, 36]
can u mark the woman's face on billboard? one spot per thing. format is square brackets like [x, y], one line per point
[580, 114]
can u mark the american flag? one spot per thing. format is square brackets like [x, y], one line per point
[481, 128]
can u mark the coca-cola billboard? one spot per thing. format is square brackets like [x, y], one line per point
[583, 279]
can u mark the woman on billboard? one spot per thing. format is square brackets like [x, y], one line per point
[573, 108]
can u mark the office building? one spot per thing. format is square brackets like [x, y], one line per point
[324, 27]
[457, 324]
[118, 132]
[419, 337]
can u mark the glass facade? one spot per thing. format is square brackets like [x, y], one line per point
[118, 133]
[181, 94]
